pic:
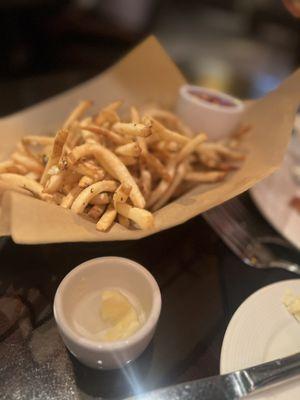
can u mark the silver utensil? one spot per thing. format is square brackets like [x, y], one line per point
[236, 226]
[233, 386]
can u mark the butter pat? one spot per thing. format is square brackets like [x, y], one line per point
[119, 314]
[292, 304]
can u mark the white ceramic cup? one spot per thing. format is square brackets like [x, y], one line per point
[218, 121]
[97, 274]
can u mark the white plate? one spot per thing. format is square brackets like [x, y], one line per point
[262, 330]
[272, 197]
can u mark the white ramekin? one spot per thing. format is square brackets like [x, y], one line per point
[218, 121]
[99, 273]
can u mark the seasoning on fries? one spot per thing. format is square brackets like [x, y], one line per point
[110, 169]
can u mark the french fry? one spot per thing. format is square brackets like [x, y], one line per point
[38, 140]
[181, 170]
[89, 169]
[107, 219]
[83, 199]
[86, 121]
[132, 129]
[71, 177]
[108, 118]
[156, 164]
[113, 165]
[166, 134]
[73, 138]
[24, 183]
[128, 161]
[29, 163]
[55, 182]
[146, 182]
[56, 198]
[172, 146]
[123, 221]
[45, 154]
[54, 170]
[161, 152]
[229, 153]
[129, 150]
[190, 147]
[21, 149]
[67, 187]
[101, 118]
[208, 157]
[161, 187]
[7, 166]
[68, 200]
[20, 169]
[101, 199]
[58, 144]
[96, 211]
[227, 166]
[169, 120]
[77, 113]
[28, 150]
[121, 194]
[114, 137]
[33, 175]
[17, 189]
[168, 146]
[142, 145]
[152, 139]
[85, 181]
[143, 218]
[90, 137]
[205, 177]
[232, 143]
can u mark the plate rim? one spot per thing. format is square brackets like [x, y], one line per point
[260, 206]
[239, 310]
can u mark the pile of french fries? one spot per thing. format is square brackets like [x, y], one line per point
[110, 169]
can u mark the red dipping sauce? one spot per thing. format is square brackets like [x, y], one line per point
[212, 99]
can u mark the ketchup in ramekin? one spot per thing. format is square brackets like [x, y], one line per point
[213, 99]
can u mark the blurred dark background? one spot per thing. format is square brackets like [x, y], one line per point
[245, 47]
